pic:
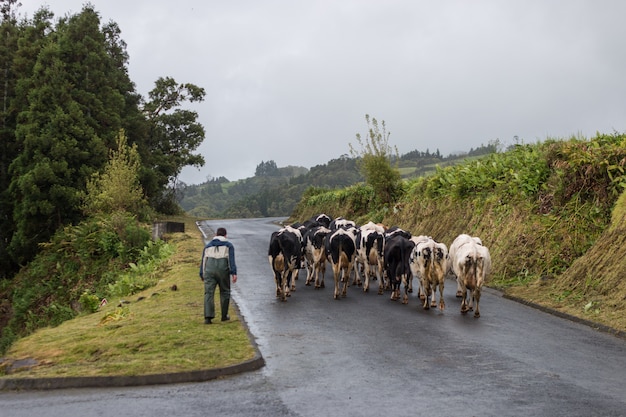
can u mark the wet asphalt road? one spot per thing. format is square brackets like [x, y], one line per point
[368, 356]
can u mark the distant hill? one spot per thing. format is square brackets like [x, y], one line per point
[274, 191]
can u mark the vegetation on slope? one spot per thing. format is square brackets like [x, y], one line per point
[539, 208]
[158, 330]
[110, 253]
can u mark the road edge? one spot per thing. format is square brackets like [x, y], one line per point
[597, 326]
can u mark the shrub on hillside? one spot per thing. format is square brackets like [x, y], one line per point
[86, 258]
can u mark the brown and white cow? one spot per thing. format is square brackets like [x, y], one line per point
[471, 263]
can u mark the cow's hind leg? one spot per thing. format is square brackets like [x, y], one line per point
[433, 296]
[395, 291]
[345, 280]
[322, 273]
[459, 288]
[477, 298]
[278, 280]
[425, 289]
[337, 277]
[293, 276]
[442, 303]
[464, 306]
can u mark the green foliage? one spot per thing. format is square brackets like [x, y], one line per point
[144, 273]
[174, 134]
[89, 302]
[592, 169]
[516, 173]
[375, 162]
[69, 110]
[117, 188]
[353, 202]
[77, 267]
[66, 96]
[10, 33]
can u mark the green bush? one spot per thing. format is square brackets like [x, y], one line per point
[79, 266]
[89, 302]
[143, 274]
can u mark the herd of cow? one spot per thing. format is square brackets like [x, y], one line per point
[392, 256]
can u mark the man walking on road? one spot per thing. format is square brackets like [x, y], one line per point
[218, 264]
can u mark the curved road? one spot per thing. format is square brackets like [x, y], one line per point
[368, 356]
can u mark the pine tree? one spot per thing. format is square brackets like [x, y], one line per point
[9, 35]
[71, 116]
[117, 188]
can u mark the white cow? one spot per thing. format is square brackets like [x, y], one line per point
[453, 247]
[471, 263]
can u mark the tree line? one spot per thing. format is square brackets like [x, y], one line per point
[66, 96]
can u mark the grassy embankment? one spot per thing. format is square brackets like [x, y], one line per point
[159, 330]
[549, 214]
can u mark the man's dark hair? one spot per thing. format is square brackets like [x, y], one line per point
[221, 231]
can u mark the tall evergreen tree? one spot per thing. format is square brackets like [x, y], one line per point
[72, 116]
[97, 79]
[22, 41]
[9, 35]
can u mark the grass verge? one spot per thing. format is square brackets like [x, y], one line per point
[160, 330]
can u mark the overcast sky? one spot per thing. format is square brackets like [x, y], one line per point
[292, 81]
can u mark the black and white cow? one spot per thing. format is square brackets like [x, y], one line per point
[341, 223]
[429, 262]
[370, 243]
[323, 219]
[415, 271]
[300, 230]
[317, 220]
[398, 247]
[396, 230]
[340, 248]
[284, 254]
[315, 255]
